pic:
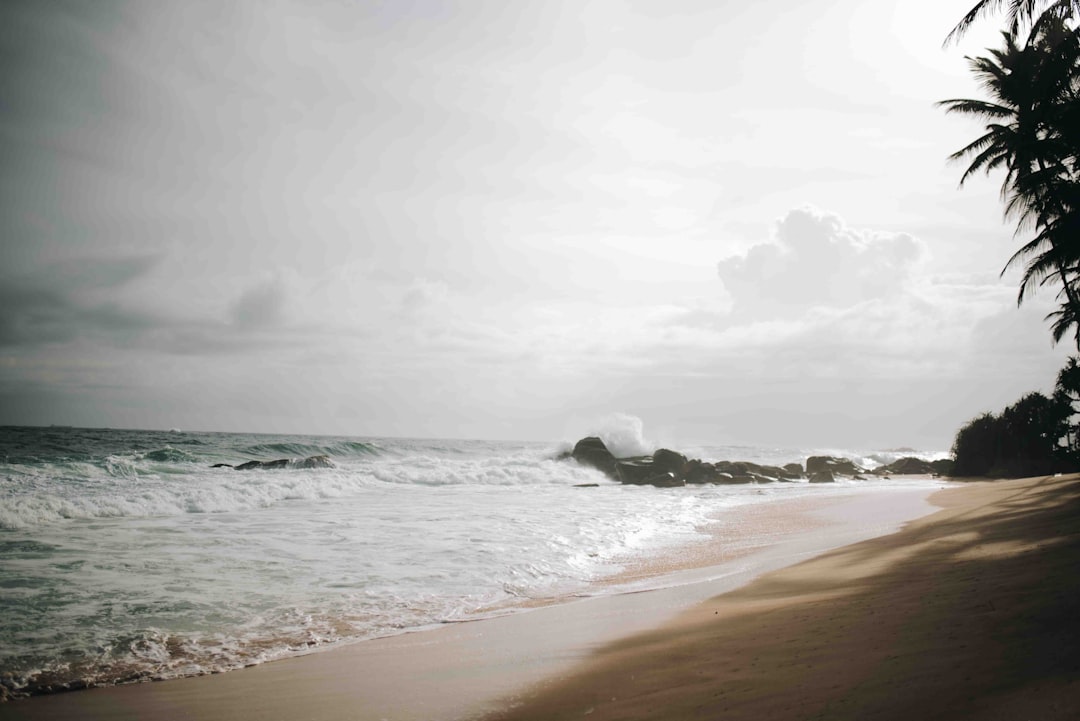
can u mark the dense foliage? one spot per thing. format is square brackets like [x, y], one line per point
[1032, 132]
[1037, 435]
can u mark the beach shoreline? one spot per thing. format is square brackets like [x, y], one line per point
[465, 669]
[969, 613]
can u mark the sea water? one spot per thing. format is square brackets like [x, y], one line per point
[124, 555]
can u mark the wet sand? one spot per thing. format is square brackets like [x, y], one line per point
[464, 670]
[970, 613]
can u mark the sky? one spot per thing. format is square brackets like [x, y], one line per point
[735, 222]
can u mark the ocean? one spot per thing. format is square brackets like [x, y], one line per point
[125, 556]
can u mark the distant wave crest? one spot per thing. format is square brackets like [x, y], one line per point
[343, 449]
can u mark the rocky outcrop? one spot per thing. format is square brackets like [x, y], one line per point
[315, 462]
[667, 468]
[943, 466]
[666, 461]
[592, 452]
[309, 462]
[912, 466]
[645, 471]
[906, 466]
[698, 472]
[837, 466]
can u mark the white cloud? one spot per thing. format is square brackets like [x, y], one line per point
[816, 260]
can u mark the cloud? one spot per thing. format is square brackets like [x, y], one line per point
[70, 298]
[260, 306]
[423, 294]
[815, 260]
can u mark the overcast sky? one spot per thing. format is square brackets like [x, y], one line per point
[734, 221]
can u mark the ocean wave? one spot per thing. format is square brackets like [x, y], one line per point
[40, 500]
[344, 449]
[520, 471]
[168, 454]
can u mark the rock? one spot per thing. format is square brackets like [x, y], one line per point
[667, 461]
[263, 465]
[773, 472]
[815, 464]
[943, 467]
[822, 477]
[794, 469]
[642, 471]
[909, 465]
[665, 480]
[586, 485]
[592, 452]
[315, 462]
[634, 471]
[699, 472]
[309, 462]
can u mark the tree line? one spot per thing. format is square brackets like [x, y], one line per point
[1032, 134]
[1038, 435]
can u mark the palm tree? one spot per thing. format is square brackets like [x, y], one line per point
[1031, 134]
[1067, 394]
[1020, 12]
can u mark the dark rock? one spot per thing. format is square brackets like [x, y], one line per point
[909, 465]
[794, 469]
[592, 452]
[586, 485]
[667, 461]
[699, 472]
[943, 467]
[843, 466]
[642, 471]
[665, 480]
[634, 471]
[263, 465]
[222, 465]
[822, 477]
[315, 462]
[310, 462]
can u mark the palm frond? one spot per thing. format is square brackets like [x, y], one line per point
[969, 106]
[984, 7]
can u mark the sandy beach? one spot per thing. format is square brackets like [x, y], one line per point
[970, 612]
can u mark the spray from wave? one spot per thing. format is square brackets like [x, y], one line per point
[623, 434]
